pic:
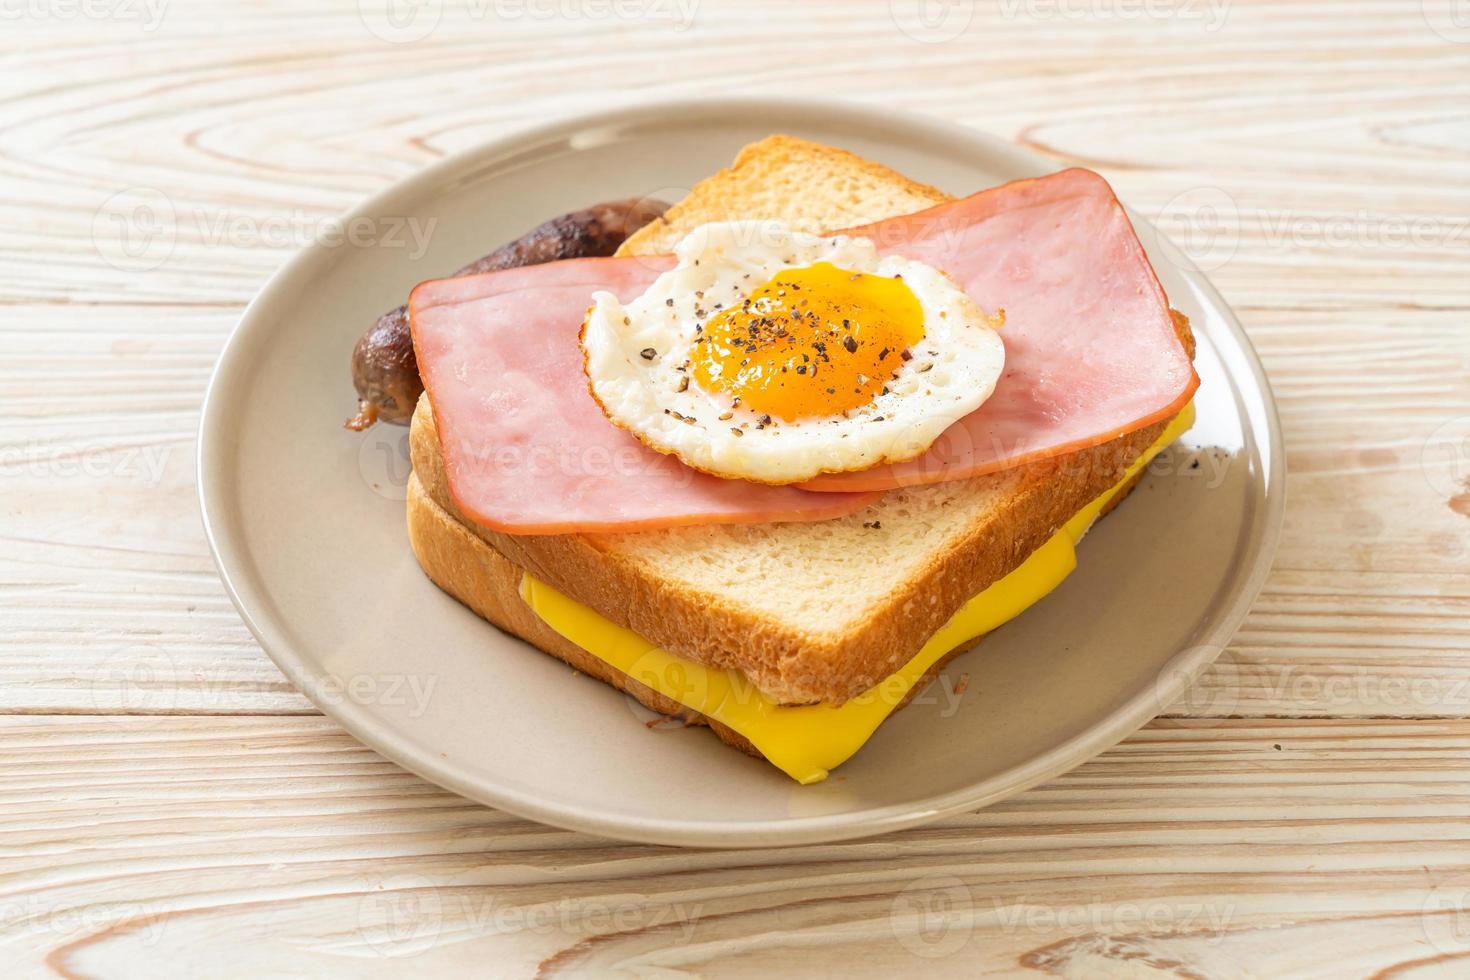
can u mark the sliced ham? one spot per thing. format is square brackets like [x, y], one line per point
[1091, 349]
[1091, 354]
[526, 450]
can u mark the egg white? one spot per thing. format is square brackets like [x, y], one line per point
[638, 360]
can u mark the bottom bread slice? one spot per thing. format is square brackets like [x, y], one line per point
[468, 568]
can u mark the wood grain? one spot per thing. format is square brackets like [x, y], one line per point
[255, 846]
[170, 799]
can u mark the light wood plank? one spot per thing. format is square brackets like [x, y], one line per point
[259, 846]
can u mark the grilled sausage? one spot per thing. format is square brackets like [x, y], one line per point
[384, 369]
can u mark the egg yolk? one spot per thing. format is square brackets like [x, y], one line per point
[811, 342]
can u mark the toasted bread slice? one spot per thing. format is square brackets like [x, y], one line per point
[807, 186]
[465, 566]
[468, 568]
[815, 612]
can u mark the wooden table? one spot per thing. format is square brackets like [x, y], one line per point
[172, 806]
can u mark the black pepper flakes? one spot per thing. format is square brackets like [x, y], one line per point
[648, 353]
[850, 344]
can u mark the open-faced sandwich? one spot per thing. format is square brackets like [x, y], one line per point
[810, 433]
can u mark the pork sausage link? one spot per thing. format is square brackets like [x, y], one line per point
[384, 369]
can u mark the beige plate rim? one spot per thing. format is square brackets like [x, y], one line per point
[220, 420]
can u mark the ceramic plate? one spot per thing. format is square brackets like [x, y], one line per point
[307, 526]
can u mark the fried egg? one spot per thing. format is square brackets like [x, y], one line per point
[772, 355]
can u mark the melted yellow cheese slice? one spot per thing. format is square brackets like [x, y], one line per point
[807, 741]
